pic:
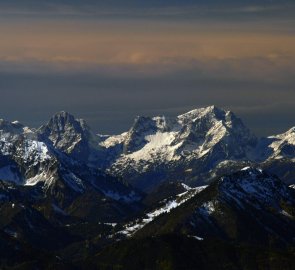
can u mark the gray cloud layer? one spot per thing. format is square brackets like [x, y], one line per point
[108, 61]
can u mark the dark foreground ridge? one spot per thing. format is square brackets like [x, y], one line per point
[241, 221]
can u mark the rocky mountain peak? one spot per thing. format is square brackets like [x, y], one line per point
[142, 123]
[211, 115]
[210, 111]
[211, 127]
[65, 131]
[63, 120]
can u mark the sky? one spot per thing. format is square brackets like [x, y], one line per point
[109, 61]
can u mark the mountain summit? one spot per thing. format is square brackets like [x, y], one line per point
[192, 148]
[66, 133]
[73, 137]
[197, 140]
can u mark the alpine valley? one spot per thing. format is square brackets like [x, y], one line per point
[196, 191]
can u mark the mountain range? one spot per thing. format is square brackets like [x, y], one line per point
[194, 147]
[200, 178]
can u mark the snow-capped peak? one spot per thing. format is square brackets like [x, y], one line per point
[207, 133]
[200, 112]
[283, 145]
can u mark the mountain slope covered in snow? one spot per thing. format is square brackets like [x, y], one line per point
[193, 148]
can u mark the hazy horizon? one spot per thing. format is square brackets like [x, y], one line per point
[109, 61]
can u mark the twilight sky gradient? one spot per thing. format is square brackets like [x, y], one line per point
[108, 61]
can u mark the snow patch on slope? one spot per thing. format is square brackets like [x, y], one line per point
[133, 227]
[36, 150]
[156, 143]
[42, 177]
[112, 141]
